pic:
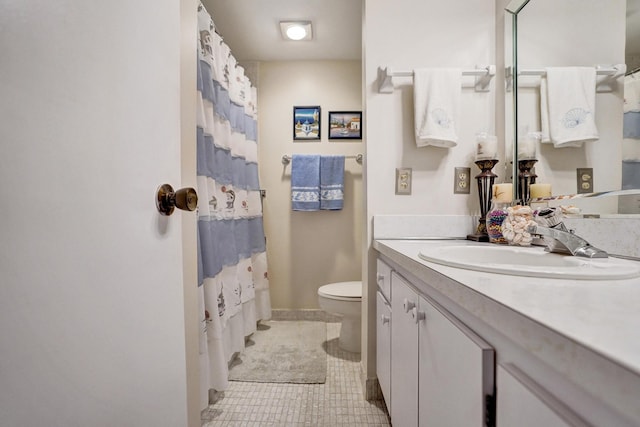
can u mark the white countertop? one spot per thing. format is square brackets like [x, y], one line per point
[603, 317]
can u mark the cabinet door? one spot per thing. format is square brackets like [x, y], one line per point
[456, 371]
[524, 403]
[384, 279]
[383, 347]
[404, 354]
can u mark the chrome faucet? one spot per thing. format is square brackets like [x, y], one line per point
[559, 239]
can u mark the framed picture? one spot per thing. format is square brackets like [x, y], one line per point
[345, 124]
[306, 123]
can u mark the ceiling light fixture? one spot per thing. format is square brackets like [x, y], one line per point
[296, 30]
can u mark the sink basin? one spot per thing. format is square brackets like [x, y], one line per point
[529, 261]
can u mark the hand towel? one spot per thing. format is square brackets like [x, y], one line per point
[436, 100]
[305, 182]
[331, 182]
[631, 93]
[567, 106]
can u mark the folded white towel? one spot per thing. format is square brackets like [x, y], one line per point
[567, 106]
[436, 99]
[632, 93]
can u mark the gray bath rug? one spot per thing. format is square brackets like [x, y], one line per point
[283, 352]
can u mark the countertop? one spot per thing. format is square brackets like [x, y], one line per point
[602, 316]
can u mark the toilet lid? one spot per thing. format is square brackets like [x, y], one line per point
[342, 290]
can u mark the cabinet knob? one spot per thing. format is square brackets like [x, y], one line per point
[384, 319]
[380, 278]
[408, 305]
[416, 315]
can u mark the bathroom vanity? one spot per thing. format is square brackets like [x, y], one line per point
[474, 348]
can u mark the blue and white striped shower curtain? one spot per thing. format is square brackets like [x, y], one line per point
[232, 270]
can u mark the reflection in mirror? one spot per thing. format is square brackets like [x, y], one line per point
[574, 33]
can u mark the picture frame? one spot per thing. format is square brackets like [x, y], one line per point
[306, 123]
[345, 124]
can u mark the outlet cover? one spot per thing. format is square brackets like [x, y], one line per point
[462, 181]
[403, 181]
[585, 180]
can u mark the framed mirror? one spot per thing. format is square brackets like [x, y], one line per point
[574, 33]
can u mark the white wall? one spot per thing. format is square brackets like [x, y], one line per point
[405, 35]
[308, 249]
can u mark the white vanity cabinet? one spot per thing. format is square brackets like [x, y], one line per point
[524, 403]
[550, 366]
[442, 373]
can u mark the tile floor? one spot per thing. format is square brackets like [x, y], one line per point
[338, 402]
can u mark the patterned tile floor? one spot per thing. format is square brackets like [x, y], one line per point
[338, 402]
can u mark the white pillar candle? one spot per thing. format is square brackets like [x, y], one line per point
[527, 146]
[539, 190]
[503, 193]
[487, 147]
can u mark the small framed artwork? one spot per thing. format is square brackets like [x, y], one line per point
[345, 124]
[306, 123]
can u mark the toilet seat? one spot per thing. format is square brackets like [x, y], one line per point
[342, 291]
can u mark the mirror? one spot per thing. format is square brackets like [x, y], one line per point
[547, 33]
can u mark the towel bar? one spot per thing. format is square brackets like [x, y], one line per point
[483, 74]
[286, 159]
[610, 71]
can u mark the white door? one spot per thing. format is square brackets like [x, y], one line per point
[404, 354]
[523, 402]
[91, 277]
[383, 347]
[456, 371]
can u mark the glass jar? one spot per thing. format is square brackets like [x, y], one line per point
[495, 218]
[515, 227]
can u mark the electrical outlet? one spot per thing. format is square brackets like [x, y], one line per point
[403, 181]
[462, 181]
[585, 180]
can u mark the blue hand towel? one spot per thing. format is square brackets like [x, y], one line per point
[305, 182]
[331, 182]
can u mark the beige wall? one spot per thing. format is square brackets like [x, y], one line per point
[307, 249]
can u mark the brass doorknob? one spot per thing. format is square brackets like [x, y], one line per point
[167, 200]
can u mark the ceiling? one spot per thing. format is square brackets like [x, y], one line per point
[251, 28]
[252, 31]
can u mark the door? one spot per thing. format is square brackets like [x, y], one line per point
[404, 354]
[383, 347]
[456, 371]
[523, 402]
[91, 294]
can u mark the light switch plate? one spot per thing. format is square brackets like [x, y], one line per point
[585, 180]
[462, 181]
[403, 181]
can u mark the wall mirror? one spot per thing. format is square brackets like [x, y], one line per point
[564, 33]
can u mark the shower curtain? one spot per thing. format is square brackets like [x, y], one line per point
[232, 263]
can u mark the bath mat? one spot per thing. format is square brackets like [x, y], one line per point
[285, 351]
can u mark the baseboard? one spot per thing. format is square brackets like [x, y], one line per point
[304, 314]
[371, 387]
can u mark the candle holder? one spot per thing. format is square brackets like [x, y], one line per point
[486, 179]
[525, 179]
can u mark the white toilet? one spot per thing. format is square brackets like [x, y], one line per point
[345, 300]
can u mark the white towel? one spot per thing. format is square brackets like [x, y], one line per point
[436, 100]
[568, 105]
[632, 93]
